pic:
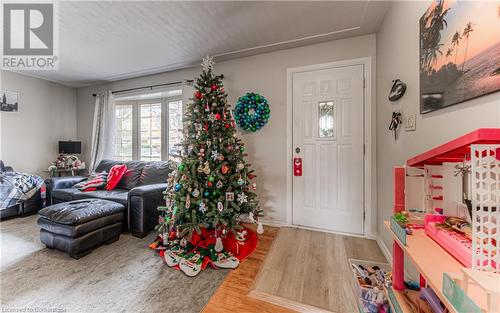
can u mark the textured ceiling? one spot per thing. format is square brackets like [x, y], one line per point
[107, 41]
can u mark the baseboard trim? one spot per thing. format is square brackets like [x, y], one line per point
[373, 236]
[367, 236]
[273, 223]
[388, 256]
[289, 304]
[384, 249]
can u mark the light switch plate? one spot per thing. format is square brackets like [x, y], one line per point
[411, 122]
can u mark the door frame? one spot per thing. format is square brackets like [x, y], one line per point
[369, 140]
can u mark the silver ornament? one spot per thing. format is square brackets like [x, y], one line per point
[203, 207]
[242, 198]
[215, 155]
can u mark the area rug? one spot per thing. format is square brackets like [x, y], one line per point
[309, 270]
[122, 277]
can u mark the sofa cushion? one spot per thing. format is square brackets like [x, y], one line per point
[74, 231]
[156, 172]
[80, 211]
[106, 165]
[116, 195]
[63, 195]
[131, 177]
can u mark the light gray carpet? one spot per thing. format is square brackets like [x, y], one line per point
[125, 276]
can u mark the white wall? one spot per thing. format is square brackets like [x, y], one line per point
[47, 114]
[398, 57]
[266, 74]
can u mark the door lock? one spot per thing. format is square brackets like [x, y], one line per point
[297, 150]
[297, 166]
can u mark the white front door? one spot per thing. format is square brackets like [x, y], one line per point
[328, 136]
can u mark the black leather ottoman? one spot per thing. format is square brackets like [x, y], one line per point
[78, 226]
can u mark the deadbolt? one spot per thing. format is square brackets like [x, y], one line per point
[297, 150]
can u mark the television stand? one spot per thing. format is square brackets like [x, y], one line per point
[60, 172]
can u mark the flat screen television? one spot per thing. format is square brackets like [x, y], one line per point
[70, 147]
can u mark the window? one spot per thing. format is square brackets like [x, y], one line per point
[148, 129]
[326, 119]
[124, 133]
[150, 132]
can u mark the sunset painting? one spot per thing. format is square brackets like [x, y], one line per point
[459, 52]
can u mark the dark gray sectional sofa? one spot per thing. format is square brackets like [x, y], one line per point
[140, 191]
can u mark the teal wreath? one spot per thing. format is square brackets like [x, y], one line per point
[252, 112]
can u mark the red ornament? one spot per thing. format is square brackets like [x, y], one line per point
[217, 116]
[209, 183]
[227, 126]
[206, 126]
[224, 169]
[251, 176]
[214, 87]
[198, 95]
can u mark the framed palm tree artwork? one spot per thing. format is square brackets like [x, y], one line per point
[459, 52]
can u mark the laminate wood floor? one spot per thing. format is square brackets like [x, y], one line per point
[308, 271]
[232, 295]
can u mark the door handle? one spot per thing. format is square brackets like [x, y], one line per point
[297, 150]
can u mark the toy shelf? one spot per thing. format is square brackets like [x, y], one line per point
[397, 300]
[441, 258]
[454, 151]
[432, 261]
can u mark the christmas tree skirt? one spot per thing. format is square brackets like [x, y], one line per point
[196, 254]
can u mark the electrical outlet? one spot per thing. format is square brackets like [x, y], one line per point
[411, 122]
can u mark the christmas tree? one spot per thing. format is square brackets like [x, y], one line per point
[212, 188]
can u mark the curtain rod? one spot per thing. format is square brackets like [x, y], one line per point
[150, 86]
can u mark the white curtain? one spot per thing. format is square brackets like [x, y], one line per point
[103, 130]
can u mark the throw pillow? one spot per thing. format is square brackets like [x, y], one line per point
[91, 176]
[98, 181]
[156, 172]
[115, 175]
